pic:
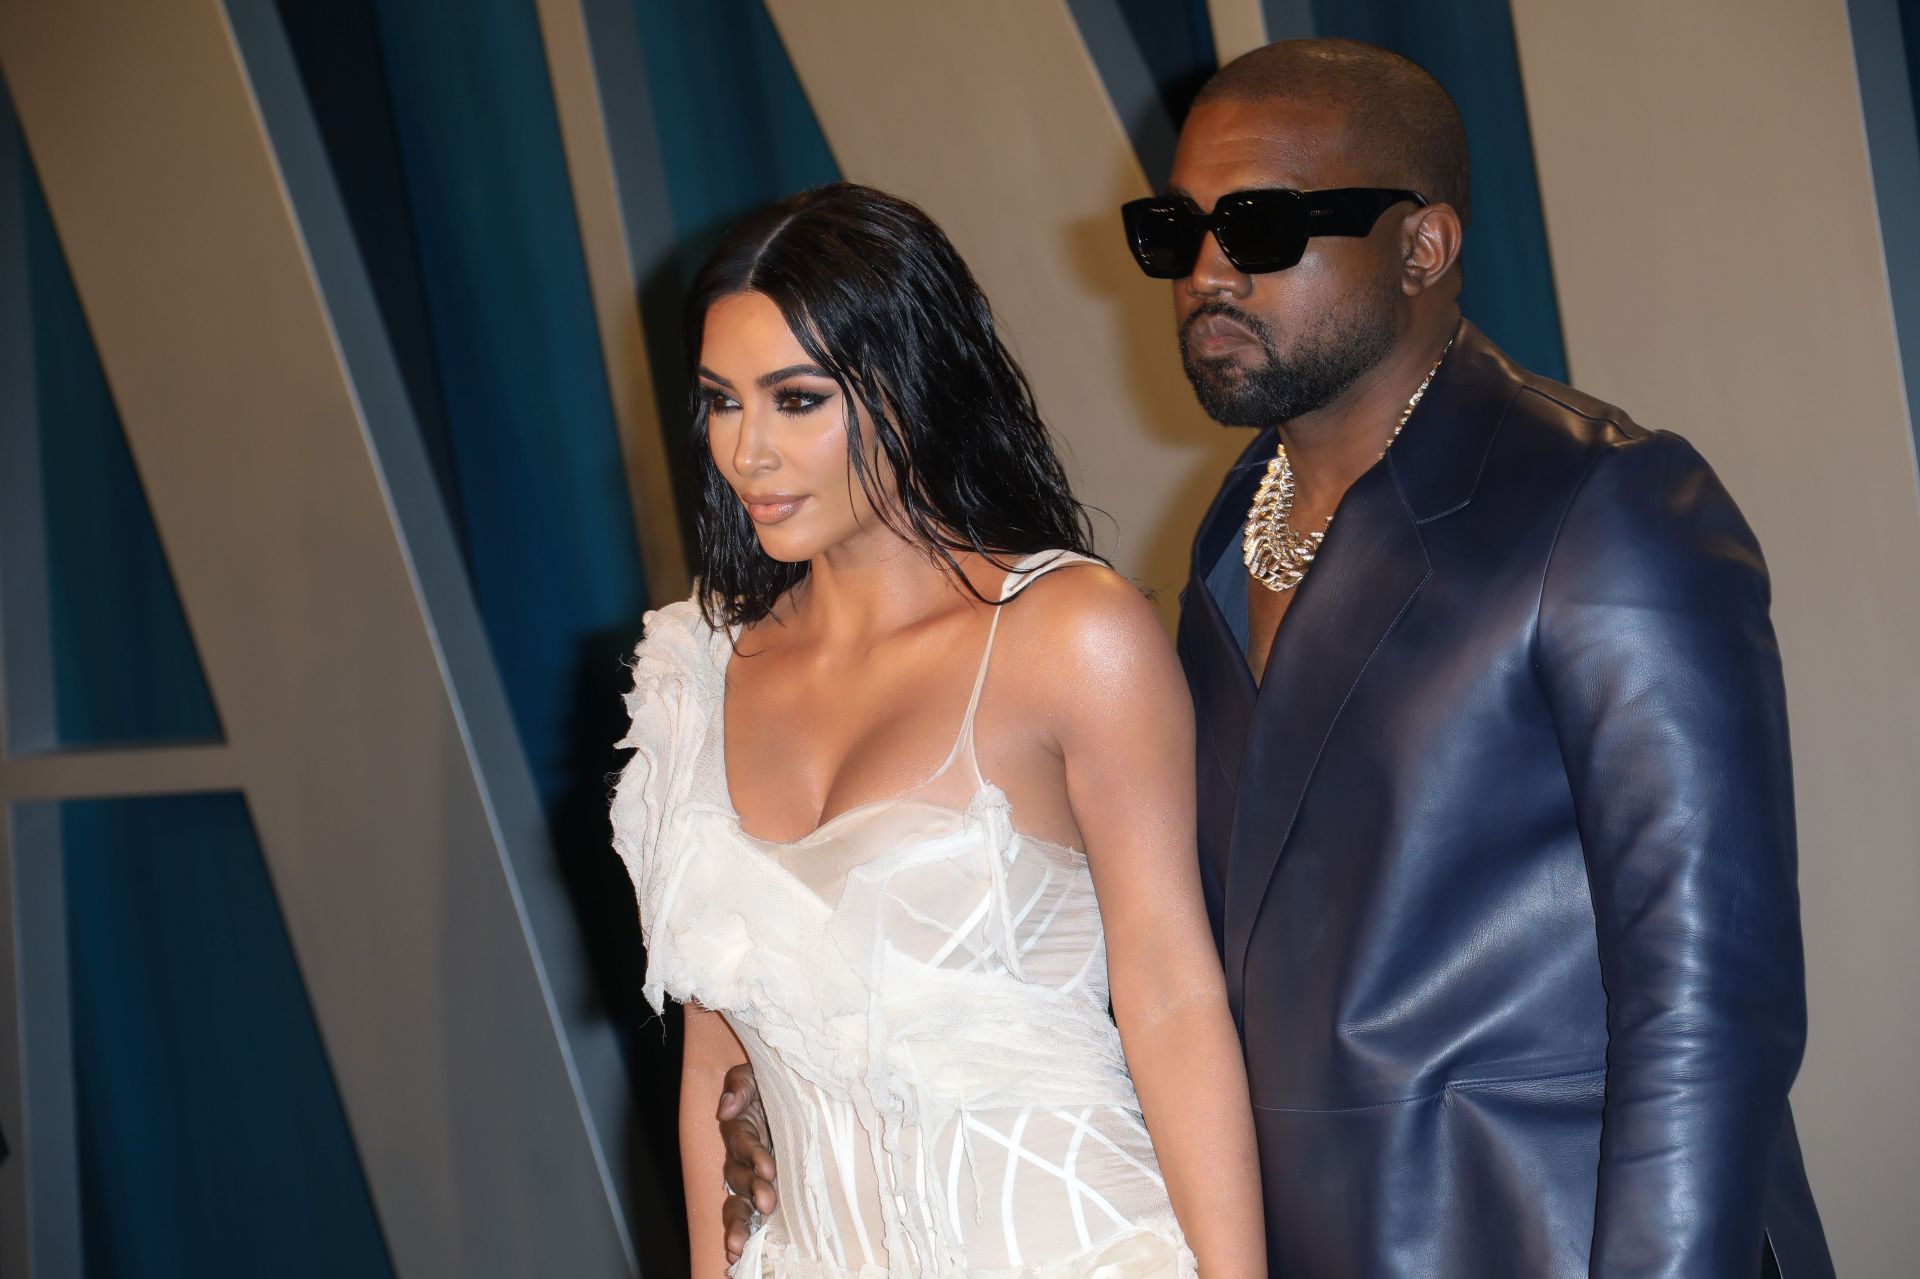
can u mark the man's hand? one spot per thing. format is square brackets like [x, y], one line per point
[749, 1167]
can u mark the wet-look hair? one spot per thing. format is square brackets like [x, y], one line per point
[880, 300]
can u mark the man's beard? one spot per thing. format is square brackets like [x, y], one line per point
[1324, 362]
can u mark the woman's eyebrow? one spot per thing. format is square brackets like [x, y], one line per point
[711, 376]
[792, 370]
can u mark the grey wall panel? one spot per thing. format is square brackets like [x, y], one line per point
[40, 1226]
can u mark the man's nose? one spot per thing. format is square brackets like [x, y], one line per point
[1215, 276]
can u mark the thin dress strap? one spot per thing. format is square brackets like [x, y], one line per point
[1025, 573]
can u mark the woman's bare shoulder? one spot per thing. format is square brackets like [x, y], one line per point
[1091, 623]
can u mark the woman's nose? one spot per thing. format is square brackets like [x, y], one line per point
[753, 450]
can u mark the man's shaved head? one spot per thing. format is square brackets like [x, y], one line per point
[1402, 127]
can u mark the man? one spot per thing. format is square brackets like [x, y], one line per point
[1495, 805]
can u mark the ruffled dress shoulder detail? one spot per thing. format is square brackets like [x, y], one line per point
[679, 683]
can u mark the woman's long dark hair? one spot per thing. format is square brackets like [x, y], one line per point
[875, 293]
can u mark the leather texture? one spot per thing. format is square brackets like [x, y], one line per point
[1500, 854]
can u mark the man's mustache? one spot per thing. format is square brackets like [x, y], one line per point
[1227, 311]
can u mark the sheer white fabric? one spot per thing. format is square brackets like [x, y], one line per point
[923, 994]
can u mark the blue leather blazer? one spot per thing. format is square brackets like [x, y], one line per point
[1500, 856]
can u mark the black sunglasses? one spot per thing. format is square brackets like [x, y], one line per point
[1259, 231]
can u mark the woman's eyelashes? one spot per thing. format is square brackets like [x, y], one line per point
[794, 401]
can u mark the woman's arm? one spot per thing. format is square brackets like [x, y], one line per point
[1124, 723]
[711, 1049]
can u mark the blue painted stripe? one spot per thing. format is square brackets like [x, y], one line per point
[1886, 47]
[735, 128]
[211, 1138]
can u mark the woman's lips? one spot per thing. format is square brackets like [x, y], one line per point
[772, 508]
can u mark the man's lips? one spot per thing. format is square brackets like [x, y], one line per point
[1214, 336]
[771, 508]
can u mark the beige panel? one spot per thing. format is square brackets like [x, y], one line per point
[616, 300]
[1239, 26]
[999, 126]
[164, 770]
[1715, 245]
[410, 935]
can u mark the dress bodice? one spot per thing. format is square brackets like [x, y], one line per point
[922, 991]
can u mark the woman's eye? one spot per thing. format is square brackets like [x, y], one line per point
[795, 401]
[719, 403]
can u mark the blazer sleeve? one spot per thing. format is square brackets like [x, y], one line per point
[1663, 677]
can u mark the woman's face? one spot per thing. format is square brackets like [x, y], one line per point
[777, 429]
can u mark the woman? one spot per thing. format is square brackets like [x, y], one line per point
[898, 603]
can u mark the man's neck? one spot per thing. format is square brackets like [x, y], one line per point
[1332, 447]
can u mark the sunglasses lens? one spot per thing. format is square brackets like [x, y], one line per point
[1264, 235]
[1163, 236]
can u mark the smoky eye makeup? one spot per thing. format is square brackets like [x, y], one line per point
[716, 400]
[797, 401]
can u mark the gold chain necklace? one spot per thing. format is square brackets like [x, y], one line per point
[1276, 556]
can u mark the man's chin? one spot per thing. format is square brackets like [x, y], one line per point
[1224, 399]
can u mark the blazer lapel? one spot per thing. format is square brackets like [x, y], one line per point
[1370, 568]
[1223, 688]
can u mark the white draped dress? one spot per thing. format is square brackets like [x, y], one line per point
[922, 991]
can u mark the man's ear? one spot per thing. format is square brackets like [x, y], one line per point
[1429, 247]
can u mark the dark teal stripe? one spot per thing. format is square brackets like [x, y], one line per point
[212, 1140]
[735, 128]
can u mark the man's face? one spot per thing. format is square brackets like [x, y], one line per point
[1261, 349]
